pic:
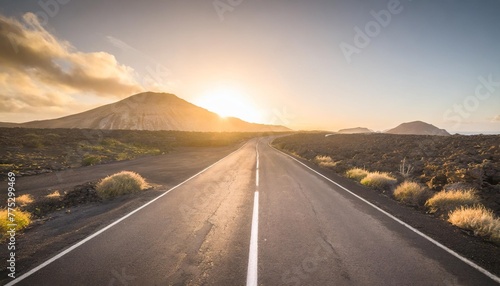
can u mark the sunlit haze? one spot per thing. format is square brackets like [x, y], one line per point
[229, 102]
[304, 64]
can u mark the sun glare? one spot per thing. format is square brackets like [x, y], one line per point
[227, 102]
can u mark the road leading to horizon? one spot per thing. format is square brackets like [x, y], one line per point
[310, 232]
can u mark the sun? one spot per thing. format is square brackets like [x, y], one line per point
[229, 102]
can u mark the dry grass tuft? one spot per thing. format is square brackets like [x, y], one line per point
[24, 200]
[478, 219]
[411, 193]
[295, 154]
[122, 183]
[378, 180]
[356, 174]
[22, 219]
[53, 195]
[324, 161]
[447, 201]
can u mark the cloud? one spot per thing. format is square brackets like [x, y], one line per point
[156, 77]
[496, 118]
[39, 70]
[121, 45]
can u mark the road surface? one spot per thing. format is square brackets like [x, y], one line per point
[257, 217]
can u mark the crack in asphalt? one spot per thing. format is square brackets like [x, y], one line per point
[336, 256]
[189, 266]
[229, 182]
[205, 264]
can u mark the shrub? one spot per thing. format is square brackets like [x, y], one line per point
[123, 156]
[111, 142]
[22, 220]
[51, 138]
[447, 201]
[121, 183]
[411, 193]
[405, 169]
[24, 200]
[31, 140]
[90, 160]
[478, 219]
[378, 180]
[324, 161]
[356, 174]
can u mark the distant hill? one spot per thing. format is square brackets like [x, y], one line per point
[356, 130]
[418, 128]
[152, 111]
[8, 124]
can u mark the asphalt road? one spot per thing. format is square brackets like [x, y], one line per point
[309, 232]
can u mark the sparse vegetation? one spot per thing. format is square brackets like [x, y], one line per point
[121, 183]
[28, 151]
[52, 136]
[22, 220]
[123, 156]
[356, 174]
[446, 201]
[405, 169]
[31, 140]
[59, 200]
[411, 193]
[477, 219]
[90, 160]
[53, 195]
[432, 161]
[324, 161]
[378, 180]
[24, 200]
[451, 172]
[45, 204]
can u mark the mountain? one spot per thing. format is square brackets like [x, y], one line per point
[356, 130]
[418, 128]
[153, 111]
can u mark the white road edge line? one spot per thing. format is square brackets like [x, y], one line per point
[465, 260]
[253, 253]
[81, 242]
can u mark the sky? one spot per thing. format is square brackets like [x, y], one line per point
[304, 64]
